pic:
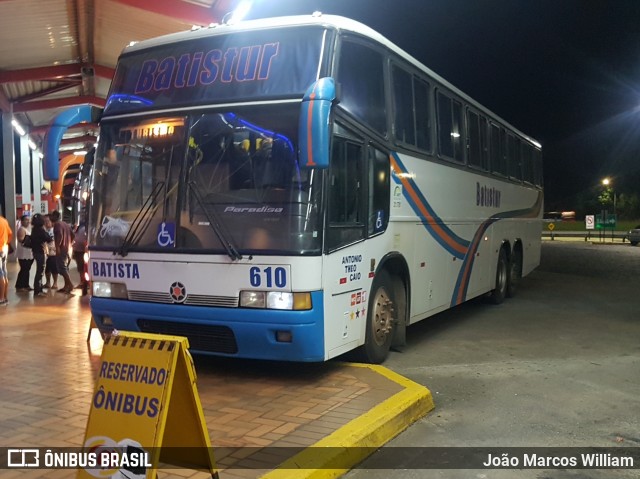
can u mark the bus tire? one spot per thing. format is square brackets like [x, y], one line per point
[515, 273]
[380, 321]
[502, 278]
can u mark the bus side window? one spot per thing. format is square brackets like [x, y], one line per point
[346, 193]
[450, 128]
[361, 74]
[477, 141]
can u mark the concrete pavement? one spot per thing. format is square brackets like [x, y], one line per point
[258, 413]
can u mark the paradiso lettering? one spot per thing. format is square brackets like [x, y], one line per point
[240, 64]
[263, 209]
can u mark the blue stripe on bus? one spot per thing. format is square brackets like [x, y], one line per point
[464, 275]
[436, 227]
[457, 246]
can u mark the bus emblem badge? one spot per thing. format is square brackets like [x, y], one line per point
[178, 292]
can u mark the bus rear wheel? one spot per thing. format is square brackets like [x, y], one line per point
[502, 278]
[515, 273]
[380, 321]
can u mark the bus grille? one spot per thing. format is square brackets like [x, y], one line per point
[214, 339]
[192, 299]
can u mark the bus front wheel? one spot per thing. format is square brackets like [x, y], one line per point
[380, 321]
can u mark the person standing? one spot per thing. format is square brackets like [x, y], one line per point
[6, 236]
[39, 240]
[24, 254]
[62, 236]
[79, 249]
[50, 270]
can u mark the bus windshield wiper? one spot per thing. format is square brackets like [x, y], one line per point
[143, 218]
[141, 221]
[215, 224]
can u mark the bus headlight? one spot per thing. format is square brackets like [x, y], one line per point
[252, 299]
[279, 300]
[102, 289]
[275, 300]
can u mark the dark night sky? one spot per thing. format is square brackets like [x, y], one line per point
[566, 72]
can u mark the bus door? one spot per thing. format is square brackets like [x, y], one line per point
[357, 208]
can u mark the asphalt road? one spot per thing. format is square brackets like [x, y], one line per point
[557, 366]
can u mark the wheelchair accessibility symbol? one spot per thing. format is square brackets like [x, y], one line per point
[379, 221]
[166, 234]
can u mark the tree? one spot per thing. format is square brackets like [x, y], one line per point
[606, 197]
[629, 206]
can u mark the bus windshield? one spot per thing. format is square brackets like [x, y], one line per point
[208, 182]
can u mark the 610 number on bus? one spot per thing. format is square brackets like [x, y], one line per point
[272, 276]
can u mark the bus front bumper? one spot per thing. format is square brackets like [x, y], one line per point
[235, 332]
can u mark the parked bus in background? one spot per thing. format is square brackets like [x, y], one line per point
[79, 214]
[79, 198]
[297, 188]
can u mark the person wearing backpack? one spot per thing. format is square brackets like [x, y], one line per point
[24, 254]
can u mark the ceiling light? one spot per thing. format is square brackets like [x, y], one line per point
[18, 127]
[240, 12]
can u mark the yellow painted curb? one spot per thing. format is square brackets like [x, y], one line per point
[353, 442]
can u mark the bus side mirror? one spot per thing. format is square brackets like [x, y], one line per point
[313, 130]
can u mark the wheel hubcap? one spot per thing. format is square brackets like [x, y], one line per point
[382, 316]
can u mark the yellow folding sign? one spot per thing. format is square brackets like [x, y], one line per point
[145, 410]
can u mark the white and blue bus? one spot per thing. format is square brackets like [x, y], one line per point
[296, 188]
